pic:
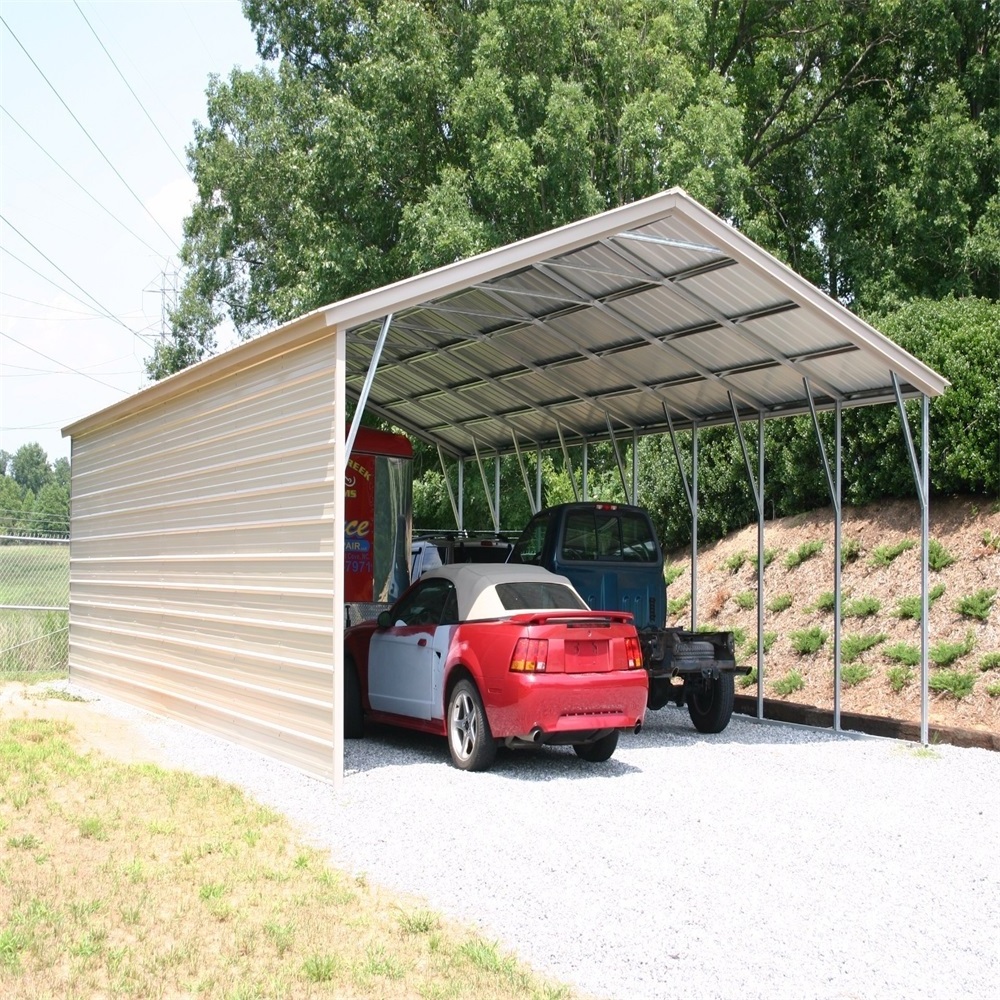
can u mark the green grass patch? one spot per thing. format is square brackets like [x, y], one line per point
[745, 600]
[852, 646]
[977, 605]
[885, 555]
[902, 652]
[789, 684]
[854, 673]
[805, 551]
[808, 641]
[34, 645]
[957, 683]
[944, 654]
[938, 557]
[779, 603]
[35, 574]
[909, 607]
[899, 677]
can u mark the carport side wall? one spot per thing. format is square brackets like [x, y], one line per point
[202, 566]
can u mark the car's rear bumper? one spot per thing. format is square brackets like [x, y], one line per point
[566, 703]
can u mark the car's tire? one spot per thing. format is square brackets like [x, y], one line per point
[354, 716]
[598, 751]
[710, 703]
[469, 737]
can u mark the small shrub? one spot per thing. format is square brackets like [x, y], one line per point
[861, 607]
[909, 607]
[854, 674]
[854, 645]
[739, 636]
[769, 638]
[938, 557]
[991, 541]
[672, 572]
[976, 605]
[745, 600]
[769, 555]
[790, 683]
[899, 677]
[850, 549]
[807, 641]
[902, 652]
[735, 562]
[993, 690]
[780, 602]
[805, 551]
[884, 555]
[320, 968]
[944, 654]
[957, 683]
[826, 601]
[989, 661]
[747, 680]
[675, 605]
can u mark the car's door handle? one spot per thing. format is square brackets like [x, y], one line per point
[421, 642]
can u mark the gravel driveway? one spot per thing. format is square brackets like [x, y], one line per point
[769, 861]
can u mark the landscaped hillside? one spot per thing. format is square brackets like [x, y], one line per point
[880, 638]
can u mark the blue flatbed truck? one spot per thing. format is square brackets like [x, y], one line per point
[612, 556]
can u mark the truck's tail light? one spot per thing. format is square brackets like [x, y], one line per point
[530, 655]
[633, 654]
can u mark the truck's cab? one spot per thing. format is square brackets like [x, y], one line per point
[611, 554]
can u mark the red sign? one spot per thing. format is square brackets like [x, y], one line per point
[359, 529]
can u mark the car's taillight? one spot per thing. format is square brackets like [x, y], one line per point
[633, 653]
[530, 655]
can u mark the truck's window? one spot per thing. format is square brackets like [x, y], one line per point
[638, 544]
[613, 536]
[526, 595]
[528, 548]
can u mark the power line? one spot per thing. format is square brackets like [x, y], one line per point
[55, 361]
[88, 135]
[105, 312]
[130, 90]
[89, 314]
[49, 260]
[78, 184]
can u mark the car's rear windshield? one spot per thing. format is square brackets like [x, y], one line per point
[538, 595]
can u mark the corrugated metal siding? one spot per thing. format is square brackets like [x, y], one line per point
[201, 571]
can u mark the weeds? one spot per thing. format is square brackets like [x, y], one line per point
[808, 641]
[805, 551]
[976, 605]
[885, 555]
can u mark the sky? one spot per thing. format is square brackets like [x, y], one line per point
[97, 105]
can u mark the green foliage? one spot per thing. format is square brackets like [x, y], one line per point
[938, 557]
[808, 641]
[991, 540]
[672, 572]
[826, 601]
[884, 555]
[769, 555]
[944, 654]
[850, 550]
[993, 690]
[854, 673]
[957, 683]
[976, 605]
[805, 551]
[769, 640]
[860, 607]
[735, 561]
[989, 661]
[909, 607]
[34, 497]
[747, 680]
[789, 684]
[899, 677]
[780, 602]
[902, 652]
[675, 605]
[746, 599]
[852, 646]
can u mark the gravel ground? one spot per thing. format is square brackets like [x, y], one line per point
[769, 861]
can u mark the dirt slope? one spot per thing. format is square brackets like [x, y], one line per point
[969, 531]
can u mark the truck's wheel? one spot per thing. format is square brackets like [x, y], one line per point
[469, 738]
[354, 718]
[710, 703]
[598, 751]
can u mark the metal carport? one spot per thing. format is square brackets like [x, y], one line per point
[653, 317]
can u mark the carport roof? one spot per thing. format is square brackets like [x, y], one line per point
[609, 323]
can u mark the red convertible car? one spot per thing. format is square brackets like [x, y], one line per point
[489, 654]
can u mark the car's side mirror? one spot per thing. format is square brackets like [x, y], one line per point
[384, 619]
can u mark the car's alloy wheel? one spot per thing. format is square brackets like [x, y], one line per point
[469, 738]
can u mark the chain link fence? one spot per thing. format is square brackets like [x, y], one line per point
[34, 606]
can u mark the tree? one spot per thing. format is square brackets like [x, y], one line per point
[30, 467]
